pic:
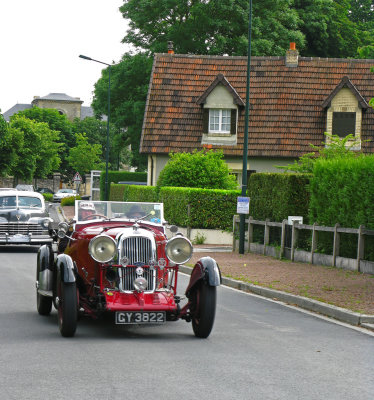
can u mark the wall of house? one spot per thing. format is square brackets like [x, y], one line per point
[344, 101]
[70, 109]
[220, 97]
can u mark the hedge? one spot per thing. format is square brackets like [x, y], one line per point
[278, 195]
[118, 176]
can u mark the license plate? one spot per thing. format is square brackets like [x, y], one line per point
[131, 317]
[18, 238]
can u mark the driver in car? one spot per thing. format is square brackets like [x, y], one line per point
[135, 212]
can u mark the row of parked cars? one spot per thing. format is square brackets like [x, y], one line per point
[60, 194]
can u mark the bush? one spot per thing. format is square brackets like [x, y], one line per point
[69, 201]
[276, 195]
[48, 196]
[118, 176]
[201, 169]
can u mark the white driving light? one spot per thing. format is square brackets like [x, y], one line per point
[178, 250]
[140, 284]
[102, 248]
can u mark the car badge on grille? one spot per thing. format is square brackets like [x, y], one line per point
[124, 261]
[139, 271]
[18, 216]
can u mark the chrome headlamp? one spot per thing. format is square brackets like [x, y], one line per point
[178, 250]
[63, 228]
[102, 248]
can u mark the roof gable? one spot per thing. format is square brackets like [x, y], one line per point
[220, 79]
[346, 83]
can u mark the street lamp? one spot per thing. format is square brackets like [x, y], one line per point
[245, 146]
[106, 197]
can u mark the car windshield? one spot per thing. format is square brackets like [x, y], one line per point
[20, 201]
[94, 210]
[66, 191]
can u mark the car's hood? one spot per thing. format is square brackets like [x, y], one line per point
[20, 215]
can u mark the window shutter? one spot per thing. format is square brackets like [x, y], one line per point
[205, 120]
[233, 122]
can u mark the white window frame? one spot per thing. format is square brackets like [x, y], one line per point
[220, 120]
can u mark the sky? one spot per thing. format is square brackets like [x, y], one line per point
[40, 44]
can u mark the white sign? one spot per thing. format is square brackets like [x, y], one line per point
[242, 206]
[294, 218]
[77, 178]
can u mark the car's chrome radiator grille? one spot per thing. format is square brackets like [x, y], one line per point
[14, 228]
[129, 274]
[137, 250]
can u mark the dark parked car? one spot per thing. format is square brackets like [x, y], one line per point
[115, 258]
[45, 190]
[24, 218]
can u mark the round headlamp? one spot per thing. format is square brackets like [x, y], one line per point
[102, 248]
[63, 227]
[178, 250]
[140, 284]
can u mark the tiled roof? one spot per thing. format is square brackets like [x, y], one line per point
[60, 97]
[15, 109]
[286, 104]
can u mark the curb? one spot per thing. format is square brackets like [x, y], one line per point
[338, 313]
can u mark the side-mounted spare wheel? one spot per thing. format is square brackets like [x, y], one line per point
[204, 298]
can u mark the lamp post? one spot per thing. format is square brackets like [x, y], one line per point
[106, 197]
[245, 145]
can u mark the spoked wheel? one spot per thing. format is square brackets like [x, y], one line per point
[204, 305]
[43, 303]
[67, 308]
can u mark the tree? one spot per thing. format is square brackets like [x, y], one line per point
[7, 148]
[336, 147]
[129, 87]
[202, 27]
[84, 157]
[96, 132]
[37, 148]
[202, 169]
[56, 122]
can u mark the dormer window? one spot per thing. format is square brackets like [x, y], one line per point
[221, 104]
[219, 121]
[345, 106]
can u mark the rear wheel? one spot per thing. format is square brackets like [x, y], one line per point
[204, 309]
[67, 308]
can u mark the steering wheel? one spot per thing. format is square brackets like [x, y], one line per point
[93, 215]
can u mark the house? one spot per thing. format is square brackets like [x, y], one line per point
[69, 106]
[197, 102]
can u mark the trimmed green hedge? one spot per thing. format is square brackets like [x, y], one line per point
[118, 176]
[342, 192]
[278, 195]
[69, 201]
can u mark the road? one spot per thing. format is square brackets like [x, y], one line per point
[258, 350]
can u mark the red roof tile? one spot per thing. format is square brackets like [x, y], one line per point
[286, 104]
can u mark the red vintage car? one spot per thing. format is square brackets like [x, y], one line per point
[115, 257]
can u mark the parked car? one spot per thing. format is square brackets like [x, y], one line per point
[61, 193]
[115, 258]
[24, 218]
[45, 190]
[24, 187]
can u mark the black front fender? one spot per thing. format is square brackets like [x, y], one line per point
[65, 266]
[205, 269]
[44, 270]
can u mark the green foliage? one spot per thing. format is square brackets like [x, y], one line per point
[59, 123]
[335, 147]
[209, 208]
[48, 196]
[96, 132]
[84, 157]
[37, 148]
[140, 193]
[120, 176]
[69, 201]
[341, 192]
[205, 169]
[276, 196]
[129, 87]
[7, 148]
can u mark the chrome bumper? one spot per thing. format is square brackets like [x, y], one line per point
[18, 238]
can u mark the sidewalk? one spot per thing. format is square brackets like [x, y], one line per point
[344, 295]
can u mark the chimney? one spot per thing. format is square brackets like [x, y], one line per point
[292, 56]
[170, 47]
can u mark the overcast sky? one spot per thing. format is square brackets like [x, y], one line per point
[41, 41]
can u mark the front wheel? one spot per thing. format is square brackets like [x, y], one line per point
[67, 308]
[204, 310]
[43, 304]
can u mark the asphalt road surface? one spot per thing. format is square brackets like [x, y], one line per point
[258, 350]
